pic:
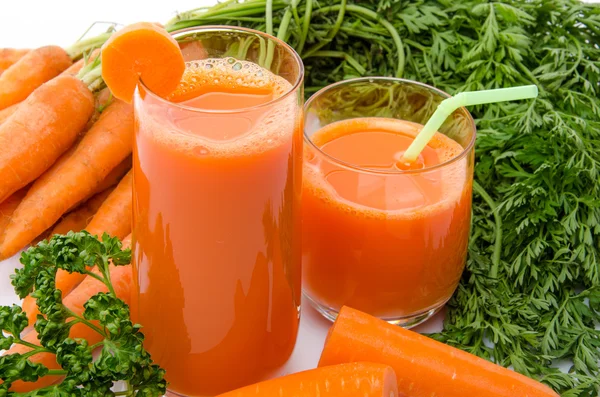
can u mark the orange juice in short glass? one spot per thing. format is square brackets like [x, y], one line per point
[379, 235]
[216, 239]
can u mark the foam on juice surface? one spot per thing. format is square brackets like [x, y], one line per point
[452, 178]
[186, 129]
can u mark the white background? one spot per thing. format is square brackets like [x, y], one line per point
[33, 23]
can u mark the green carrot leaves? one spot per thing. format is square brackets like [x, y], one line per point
[533, 273]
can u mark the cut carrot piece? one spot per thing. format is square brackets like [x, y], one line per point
[424, 367]
[344, 380]
[30, 72]
[141, 52]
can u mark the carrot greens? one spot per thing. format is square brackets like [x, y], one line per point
[532, 284]
[122, 356]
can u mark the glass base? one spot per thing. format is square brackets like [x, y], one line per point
[404, 322]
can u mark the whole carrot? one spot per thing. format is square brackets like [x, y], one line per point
[8, 207]
[78, 219]
[43, 127]
[114, 215]
[30, 72]
[423, 366]
[115, 175]
[102, 148]
[110, 181]
[10, 56]
[7, 112]
[75, 221]
[351, 380]
[111, 212]
[121, 280]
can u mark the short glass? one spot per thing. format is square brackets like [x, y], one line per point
[379, 235]
[216, 236]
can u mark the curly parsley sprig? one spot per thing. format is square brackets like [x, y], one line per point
[121, 356]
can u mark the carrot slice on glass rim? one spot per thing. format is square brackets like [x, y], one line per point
[141, 51]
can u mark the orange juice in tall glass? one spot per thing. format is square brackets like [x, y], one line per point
[379, 235]
[216, 240]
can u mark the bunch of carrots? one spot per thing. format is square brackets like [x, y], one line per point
[66, 157]
[65, 169]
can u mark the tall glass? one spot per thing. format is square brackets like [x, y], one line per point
[216, 238]
[380, 235]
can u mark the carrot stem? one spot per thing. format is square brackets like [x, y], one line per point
[332, 33]
[77, 50]
[91, 77]
[305, 25]
[498, 232]
[339, 54]
[270, 44]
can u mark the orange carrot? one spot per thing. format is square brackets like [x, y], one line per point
[102, 148]
[423, 366]
[10, 56]
[8, 207]
[351, 380]
[7, 112]
[116, 174]
[76, 221]
[71, 70]
[103, 99]
[114, 215]
[43, 127]
[112, 179]
[121, 281]
[30, 72]
[142, 51]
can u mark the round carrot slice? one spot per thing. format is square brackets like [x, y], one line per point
[142, 51]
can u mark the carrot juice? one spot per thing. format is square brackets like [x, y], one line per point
[381, 236]
[216, 251]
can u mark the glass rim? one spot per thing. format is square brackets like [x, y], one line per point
[223, 28]
[354, 167]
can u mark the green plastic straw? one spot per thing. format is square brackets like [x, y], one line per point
[449, 105]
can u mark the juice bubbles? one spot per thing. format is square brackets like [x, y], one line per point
[216, 225]
[381, 236]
